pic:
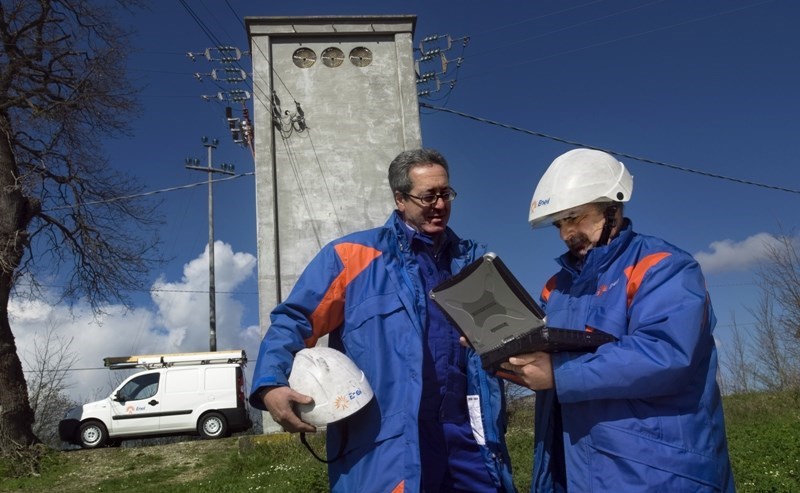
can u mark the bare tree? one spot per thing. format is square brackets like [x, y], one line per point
[738, 361]
[773, 366]
[778, 316]
[47, 371]
[63, 88]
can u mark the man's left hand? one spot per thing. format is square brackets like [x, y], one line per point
[535, 369]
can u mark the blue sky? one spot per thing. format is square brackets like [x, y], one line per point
[708, 86]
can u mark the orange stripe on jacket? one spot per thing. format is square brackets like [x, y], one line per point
[329, 314]
[635, 273]
[400, 487]
[548, 288]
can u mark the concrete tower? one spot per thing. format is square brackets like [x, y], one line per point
[335, 100]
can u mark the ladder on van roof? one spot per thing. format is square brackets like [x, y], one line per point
[150, 361]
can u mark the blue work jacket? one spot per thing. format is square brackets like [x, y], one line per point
[365, 292]
[644, 413]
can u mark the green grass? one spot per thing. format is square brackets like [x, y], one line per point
[763, 434]
[519, 439]
[764, 441]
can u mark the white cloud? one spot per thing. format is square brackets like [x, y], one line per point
[728, 255]
[176, 322]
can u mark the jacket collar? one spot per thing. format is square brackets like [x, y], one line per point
[405, 235]
[599, 258]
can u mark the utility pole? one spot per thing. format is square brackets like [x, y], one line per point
[241, 130]
[193, 163]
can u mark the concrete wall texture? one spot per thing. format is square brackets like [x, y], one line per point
[335, 100]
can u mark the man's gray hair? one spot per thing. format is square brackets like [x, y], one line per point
[401, 166]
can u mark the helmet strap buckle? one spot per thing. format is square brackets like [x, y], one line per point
[610, 215]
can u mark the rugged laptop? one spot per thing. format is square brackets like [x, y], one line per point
[499, 318]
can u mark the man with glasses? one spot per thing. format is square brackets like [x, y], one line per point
[437, 420]
[643, 413]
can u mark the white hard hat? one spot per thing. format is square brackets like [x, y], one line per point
[578, 177]
[338, 387]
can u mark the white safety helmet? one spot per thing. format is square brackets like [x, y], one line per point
[578, 177]
[338, 387]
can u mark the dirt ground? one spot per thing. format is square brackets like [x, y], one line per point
[187, 459]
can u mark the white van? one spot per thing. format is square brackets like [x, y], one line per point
[177, 394]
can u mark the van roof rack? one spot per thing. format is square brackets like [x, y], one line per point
[164, 360]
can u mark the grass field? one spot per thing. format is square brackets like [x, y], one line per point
[763, 433]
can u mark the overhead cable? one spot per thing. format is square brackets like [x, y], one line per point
[151, 192]
[610, 151]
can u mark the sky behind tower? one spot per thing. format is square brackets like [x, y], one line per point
[698, 99]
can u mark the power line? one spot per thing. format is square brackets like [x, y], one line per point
[152, 192]
[153, 290]
[200, 291]
[209, 34]
[610, 151]
[736, 324]
[267, 101]
[732, 285]
[55, 370]
[470, 117]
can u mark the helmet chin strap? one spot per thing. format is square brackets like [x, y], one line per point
[611, 220]
[339, 454]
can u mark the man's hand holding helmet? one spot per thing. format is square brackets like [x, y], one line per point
[281, 403]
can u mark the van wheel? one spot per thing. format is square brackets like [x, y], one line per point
[93, 434]
[212, 425]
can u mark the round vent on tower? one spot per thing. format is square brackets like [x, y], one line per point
[360, 56]
[304, 57]
[332, 57]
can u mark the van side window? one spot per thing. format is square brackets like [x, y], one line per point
[141, 387]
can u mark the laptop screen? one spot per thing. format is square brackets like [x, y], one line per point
[488, 305]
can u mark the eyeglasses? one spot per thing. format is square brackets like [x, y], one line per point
[571, 219]
[430, 199]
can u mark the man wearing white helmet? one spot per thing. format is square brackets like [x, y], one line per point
[436, 421]
[643, 413]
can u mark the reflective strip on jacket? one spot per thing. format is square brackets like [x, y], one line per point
[644, 413]
[363, 290]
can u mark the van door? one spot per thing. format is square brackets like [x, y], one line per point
[136, 406]
[182, 398]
